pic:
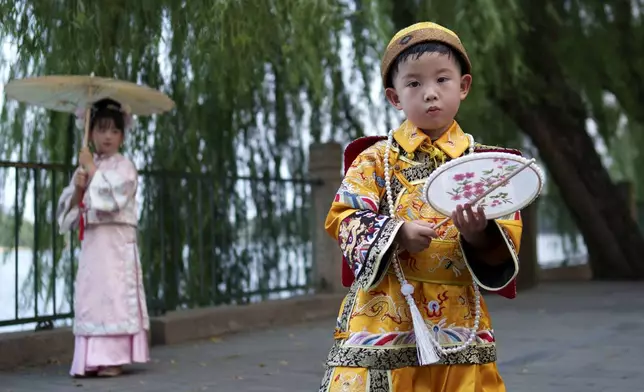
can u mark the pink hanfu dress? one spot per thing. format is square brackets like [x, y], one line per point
[111, 317]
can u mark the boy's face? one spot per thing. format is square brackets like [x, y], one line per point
[429, 90]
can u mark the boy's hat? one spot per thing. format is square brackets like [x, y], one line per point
[421, 32]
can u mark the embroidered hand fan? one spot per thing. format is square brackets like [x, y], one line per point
[501, 183]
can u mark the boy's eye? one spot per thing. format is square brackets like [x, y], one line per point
[442, 80]
[413, 84]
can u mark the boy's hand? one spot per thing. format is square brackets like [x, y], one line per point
[415, 236]
[471, 224]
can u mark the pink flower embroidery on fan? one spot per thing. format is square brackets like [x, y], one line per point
[471, 186]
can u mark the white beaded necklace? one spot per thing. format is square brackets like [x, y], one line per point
[427, 345]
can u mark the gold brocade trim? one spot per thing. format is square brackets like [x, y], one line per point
[347, 308]
[403, 181]
[379, 380]
[400, 357]
[373, 270]
[326, 380]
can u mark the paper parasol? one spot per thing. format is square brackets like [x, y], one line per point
[68, 93]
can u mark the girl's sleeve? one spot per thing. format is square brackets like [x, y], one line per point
[67, 216]
[365, 236]
[110, 190]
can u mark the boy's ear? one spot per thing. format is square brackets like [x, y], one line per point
[392, 97]
[466, 83]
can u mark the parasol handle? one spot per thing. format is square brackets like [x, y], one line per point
[87, 114]
[86, 133]
[491, 189]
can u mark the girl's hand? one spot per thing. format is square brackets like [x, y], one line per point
[86, 160]
[85, 157]
[80, 181]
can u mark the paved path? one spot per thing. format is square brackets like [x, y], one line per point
[575, 337]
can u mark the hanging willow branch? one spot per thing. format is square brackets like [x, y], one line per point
[254, 81]
[250, 79]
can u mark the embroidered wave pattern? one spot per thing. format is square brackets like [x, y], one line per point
[381, 339]
[358, 196]
[356, 201]
[446, 336]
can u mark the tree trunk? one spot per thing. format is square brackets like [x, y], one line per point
[613, 238]
[555, 121]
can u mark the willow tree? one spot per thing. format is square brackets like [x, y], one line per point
[531, 73]
[609, 34]
[252, 78]
[558, 125]
[248, 79]
[555, 118]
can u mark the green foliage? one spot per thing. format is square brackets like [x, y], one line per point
[251, 79]
[8, 224]
[248, 80]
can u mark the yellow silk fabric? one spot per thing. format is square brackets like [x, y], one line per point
[452, 378]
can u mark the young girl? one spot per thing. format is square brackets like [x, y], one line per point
[111, 318]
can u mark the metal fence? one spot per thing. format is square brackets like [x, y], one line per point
[203, 239]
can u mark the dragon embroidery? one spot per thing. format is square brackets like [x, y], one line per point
[350, 382]
[383, 306]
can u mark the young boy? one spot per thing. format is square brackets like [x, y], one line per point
[413, 319]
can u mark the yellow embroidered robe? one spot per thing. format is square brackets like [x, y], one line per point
[374, 337]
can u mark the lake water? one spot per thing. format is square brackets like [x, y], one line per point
[550, 253]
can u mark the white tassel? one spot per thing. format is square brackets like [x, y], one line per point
[428, 348]
[428, 353]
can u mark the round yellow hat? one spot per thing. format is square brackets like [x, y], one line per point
[421, 32]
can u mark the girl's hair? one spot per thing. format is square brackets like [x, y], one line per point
[106, 111]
